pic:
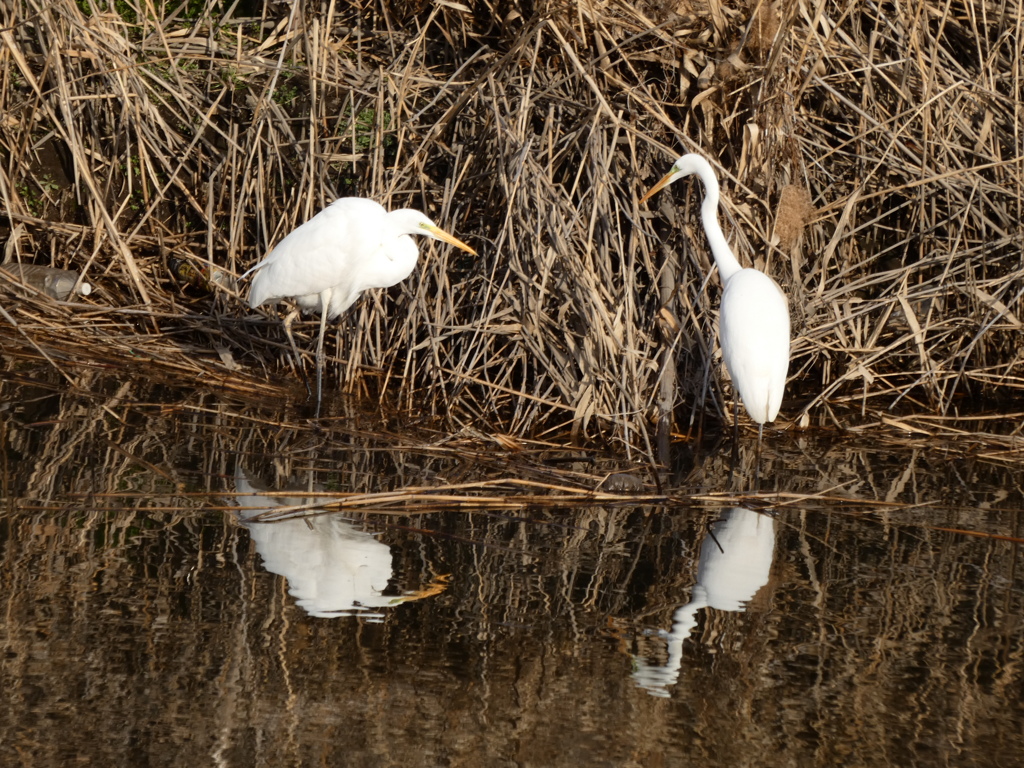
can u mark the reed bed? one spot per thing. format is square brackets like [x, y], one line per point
[872, 160]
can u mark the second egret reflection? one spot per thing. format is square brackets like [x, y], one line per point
[735, 561]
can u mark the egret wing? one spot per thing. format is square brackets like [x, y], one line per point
[322, 253]
[754, 331]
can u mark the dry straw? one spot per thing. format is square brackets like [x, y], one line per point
[872, 162]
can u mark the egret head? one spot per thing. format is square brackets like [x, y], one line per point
[412, 222]
[687, 165]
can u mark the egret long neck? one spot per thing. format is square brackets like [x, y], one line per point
[724, 257]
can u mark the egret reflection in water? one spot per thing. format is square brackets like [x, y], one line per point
[735, 561]
[332, 568]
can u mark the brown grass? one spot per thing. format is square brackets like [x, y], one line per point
[131, 136]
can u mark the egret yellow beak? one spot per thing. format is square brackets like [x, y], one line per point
[665, 181]
[440, 234]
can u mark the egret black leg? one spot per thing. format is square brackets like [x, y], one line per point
[325, 301]
[734, 462]
[757, 459]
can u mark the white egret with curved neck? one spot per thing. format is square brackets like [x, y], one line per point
[351, 245]
[753, 321]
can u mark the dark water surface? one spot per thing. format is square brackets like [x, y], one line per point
[874, 618]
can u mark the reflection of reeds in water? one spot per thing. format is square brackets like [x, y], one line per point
[132, 605]
[530, 139]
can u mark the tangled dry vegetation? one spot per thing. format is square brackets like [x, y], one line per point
[872, 160]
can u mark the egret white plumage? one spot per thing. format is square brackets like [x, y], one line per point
[753, 321]
[323, 265]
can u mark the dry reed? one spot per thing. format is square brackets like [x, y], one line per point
[131, 131]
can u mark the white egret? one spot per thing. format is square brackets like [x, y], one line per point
[753, 321]
[351, 245]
